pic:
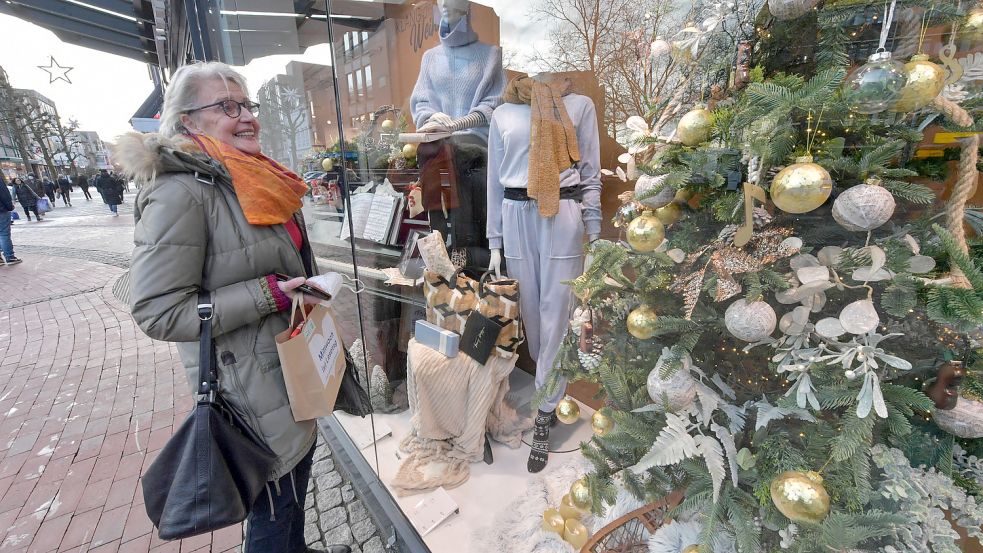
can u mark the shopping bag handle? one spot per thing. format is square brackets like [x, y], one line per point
[298, 300]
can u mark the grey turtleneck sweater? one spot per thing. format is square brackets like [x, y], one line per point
[459, 77]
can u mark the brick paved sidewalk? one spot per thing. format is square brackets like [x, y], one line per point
[86, 402]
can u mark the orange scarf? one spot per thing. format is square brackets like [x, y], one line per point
[268, 192]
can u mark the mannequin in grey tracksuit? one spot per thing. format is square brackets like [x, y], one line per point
[542, 252]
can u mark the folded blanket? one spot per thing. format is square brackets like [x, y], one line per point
[453, 402]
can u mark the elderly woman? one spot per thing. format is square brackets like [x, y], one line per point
[213, 213]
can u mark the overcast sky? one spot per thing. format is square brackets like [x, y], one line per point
[105, 92]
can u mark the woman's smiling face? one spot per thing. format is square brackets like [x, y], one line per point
[242, 132]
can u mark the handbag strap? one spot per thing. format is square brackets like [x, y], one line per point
[207, 374]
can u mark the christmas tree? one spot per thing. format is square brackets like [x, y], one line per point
[783, 332]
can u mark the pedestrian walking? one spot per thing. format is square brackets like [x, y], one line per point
[83, 182]
[28, 193]
[6, 208]
[213, 214]
[50, 188]
[65, 189]
[111, 190]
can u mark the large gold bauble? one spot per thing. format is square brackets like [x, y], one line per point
[575, 533]
[694, 128]
[801, 496]
[568, 410]
[568, 510]
[553, 521]
[388, 125]
[801, 187]
[925, 81]
[601, 423]
[327, 164]
[669, 214]
[645, 233]
[409, 151]
[691, 549]
[580, 493]
[641, 322]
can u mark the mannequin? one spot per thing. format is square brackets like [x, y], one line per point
[459, 86]
[540, 207]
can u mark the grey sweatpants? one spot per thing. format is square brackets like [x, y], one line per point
[542, 253]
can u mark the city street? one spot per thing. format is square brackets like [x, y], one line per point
[87, 401]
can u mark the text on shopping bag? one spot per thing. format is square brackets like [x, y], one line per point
[324, 346]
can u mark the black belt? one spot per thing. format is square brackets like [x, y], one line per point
[575, 193]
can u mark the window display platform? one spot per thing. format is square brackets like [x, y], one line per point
[489, 490]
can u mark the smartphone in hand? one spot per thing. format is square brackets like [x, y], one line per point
[305, 288]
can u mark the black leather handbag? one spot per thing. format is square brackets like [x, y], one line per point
[214, 467]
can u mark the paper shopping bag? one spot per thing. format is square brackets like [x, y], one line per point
[313, 361]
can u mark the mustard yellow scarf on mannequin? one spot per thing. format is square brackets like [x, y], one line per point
[553, 144]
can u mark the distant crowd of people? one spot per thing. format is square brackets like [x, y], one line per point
[37, 196]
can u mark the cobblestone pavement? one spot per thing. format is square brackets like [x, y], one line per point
[87, 401]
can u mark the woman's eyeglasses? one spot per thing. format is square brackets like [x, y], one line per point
[231, 108]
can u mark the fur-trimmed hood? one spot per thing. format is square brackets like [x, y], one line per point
[145, 156]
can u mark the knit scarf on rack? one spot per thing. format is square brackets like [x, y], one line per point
[553, 146]
[268, 193]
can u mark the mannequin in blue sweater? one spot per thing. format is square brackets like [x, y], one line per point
[460, 84]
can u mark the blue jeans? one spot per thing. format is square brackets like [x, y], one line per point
[112, 207]
[277, 517]
[6, 246]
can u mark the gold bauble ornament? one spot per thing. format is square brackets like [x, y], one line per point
[691, 549]
[694, 128]
[972, 28]
[553, 521]
[641, 322]
[645, 233]
[409, 151]
[580, 493]
[925, 81]
[575, 533]
[683, 195]
[801, 496]
[568, 410]
[801, 187]
[570, 511]
[601, 423]
[327, 164]
[669, 214]
[388, 125]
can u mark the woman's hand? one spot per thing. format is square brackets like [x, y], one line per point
[289, 287]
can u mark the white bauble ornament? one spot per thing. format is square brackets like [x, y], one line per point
[785, 10]
[751, 322]
[674, 393]
[646, 184]
[863, 207]
[659, 48]
[859, 317]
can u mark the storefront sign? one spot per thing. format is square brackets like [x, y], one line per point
[419, 27]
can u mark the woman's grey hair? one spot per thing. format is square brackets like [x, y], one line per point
[182, 93]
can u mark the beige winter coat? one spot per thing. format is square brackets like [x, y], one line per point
[191, 234]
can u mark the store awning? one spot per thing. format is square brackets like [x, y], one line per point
[147, 117]
[121, 27]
